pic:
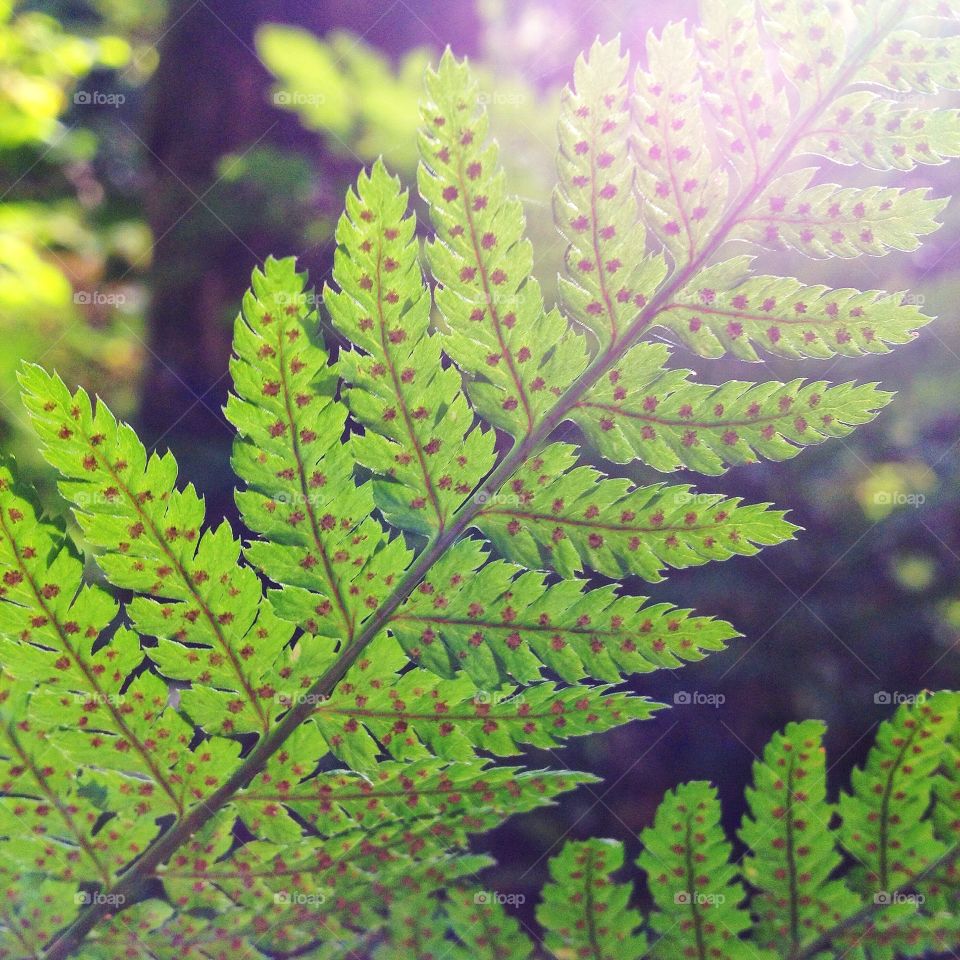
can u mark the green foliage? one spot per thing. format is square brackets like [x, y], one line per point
[282, 745]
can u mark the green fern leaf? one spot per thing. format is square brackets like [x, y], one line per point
[830, 221]
[484, 927]
[811, 47]
[670, 423]
[423, 793]
[504, 622]
[153, 542]
[571, 518]
[729, 311]
[608, 280]
[908, 62]
[320, 540]
[49, 812]
[31, 913]
[583, 912]
[792, 847]
[883, 817]
[683, 198]
[519, 356]
[749, 111]
[863, 128]
[687, 861]
[409, 404]
[417, 715]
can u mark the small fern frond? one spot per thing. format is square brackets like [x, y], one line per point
[729, 311]
[586, 914]
[593, 203]
[519, 356]
[153, 542]
[571, 518]
[503, 622]
[793, 853]
[409, 404]
[884, 826]
[318, 537]
[671, 423]
[693, 884]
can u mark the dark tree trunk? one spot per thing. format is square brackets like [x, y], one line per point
[209, 98]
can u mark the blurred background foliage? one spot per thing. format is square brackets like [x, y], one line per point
[151, 154]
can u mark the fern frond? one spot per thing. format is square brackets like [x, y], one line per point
[48, 818]
[826, 220]
[572, 518]
[909, 62]
[416, 715]
[423, 793]
[501, 621]
[320, 541]
[693, 884]
[420, 437]
[793, 853]
[607, 279]
[883, 824]
[32, 910]
[866, 129]
[675, 174]
[484, 927]
[313, 712]
[153, 543]
[583, 912]
[660, 417]
[729, 311]
[811, 47]
[751, 114]
[520, 357]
